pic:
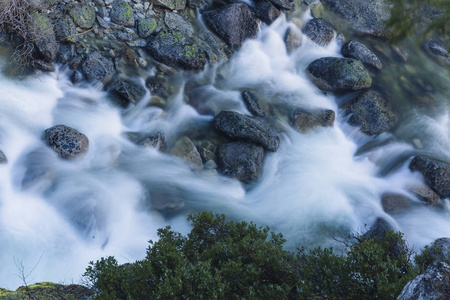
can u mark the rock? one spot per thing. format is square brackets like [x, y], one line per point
[170, 4]
[3, 159]
[440, 249]
[238, 126]
[436, 174]
[129, 90]
[292, 38]
[125, 37]
[157, 86]
[356, 50]
[433, 284]
[67, 31]
[103, 23]
[319, 31]
[184, 148]
[176, 50]
[146, 27]
[233, 23]
[424, 194]
[82, 14]
[157, 141]
[66, 141]
[66, 52]
[436, 48]
[252, 104]
[43, 65]
[378, 232]
[334, 74]
[95, 66]
[43, 35]
[366, 17]
[122, 13]
[282, 4]
[304, 121]
[393, 203]
[266, 11]
[194, 3]
[176, 22]
[206, 154]
[166, 198]
[372, 112]
[241, 160]
[76, 77]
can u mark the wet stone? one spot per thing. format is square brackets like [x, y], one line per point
[393, 203]
[66, 141]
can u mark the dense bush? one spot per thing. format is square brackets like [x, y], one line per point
[236, 260]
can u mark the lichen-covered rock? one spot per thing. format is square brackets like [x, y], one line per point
[176, 50]
[304, 121]
[176, 22]
[170, 4]
[146, 27]
[433, 284]
[436, 174]
[239, 126]
[366, 17]
[185, 149]
[95, 66]
[293, 38]
[66, 141]
[266, 11]
[82, 14]
[319, 31]
[356, 50]
[252, 104]
[233, 23]
[43, 36]
[372, 112]
[241, 160]
[129, 90]
[67, 31]
[334, 74]
[122, 13]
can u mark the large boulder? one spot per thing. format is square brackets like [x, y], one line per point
[334, 74]
[82, 14]
[356, 50]
[319, 31]
[241, 160]
[266, 11]
[170, 4]
[436, 174]
[66, 141]
[43, 35]
[122, 13]
[176, 50]
[233, 23]
[97, 67]
[366, 17]
[129, 90]
[433, 284]
[176, 22]
[239, 126]
[372, 112]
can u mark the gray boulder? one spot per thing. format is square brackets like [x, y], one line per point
[366, 17]
[233, 23]
[372, 112]
[66, 141]
[433, 284]
[170, 4]
[239, 126]
[436, 174]
[43, 35]
[176, 50]
[334, 74]
[292, 38]
[424, 194]
[252, 103]
[241, 160]
[122, 13]
[440, 249]
[319, 31]
[176, 22]
[129, 90]
[82, 14]
[266, 11]
[95, 66]
[356, 50]
[393, 203]
[67, 31]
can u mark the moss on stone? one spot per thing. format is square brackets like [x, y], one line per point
[122, 13]
[146, 27]
[83, 15]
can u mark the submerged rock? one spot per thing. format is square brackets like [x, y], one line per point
[319, 31]
[95, 66]
[334, 74]
[393, 203]
[436, 174]
[356, 50]
[433, 284]
[304, 121]
[292, 38]
[233, 23]
[66, 141]
[367, 17]
[176, 50]
[372, 112]
[241, 160]
[252, 104]
[185, 149]
[239, 126]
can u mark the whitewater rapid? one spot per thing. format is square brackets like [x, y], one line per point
[57, 215]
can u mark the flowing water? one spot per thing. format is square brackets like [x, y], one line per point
[56, 215]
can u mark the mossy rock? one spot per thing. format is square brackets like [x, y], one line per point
[67, 30]
[146, 27]
[122, 14]
[43, 35]
[83, 15]
[48, 290]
